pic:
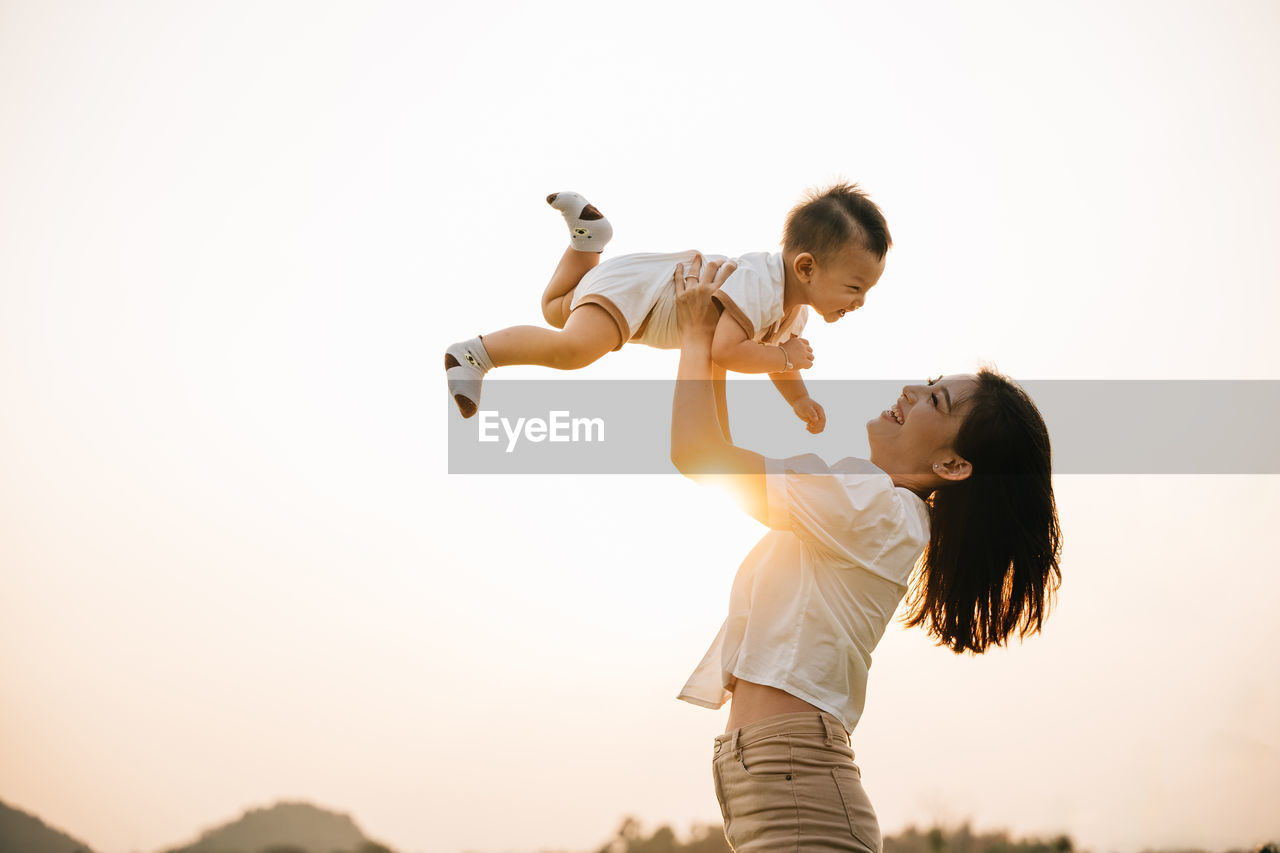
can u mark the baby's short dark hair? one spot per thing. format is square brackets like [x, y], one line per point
[827, 221]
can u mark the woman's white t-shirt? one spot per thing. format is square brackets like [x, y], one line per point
[812, 599]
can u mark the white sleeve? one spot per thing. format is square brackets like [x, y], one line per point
[858, 519]
[748, 296]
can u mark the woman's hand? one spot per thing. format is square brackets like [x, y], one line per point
[696, 314]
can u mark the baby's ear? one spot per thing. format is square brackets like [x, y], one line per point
[803, 264]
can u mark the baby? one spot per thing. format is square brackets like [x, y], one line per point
[833, 250]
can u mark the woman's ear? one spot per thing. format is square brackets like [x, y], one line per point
[953, 468]
[802, 265]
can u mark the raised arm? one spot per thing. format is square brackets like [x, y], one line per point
[699, 449]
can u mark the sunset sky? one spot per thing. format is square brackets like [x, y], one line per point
[235, 238]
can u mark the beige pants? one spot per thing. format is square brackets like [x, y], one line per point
[788, 783]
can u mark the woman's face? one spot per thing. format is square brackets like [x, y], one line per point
[918, 431]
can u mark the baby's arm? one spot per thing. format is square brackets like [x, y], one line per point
[733, 350]
[791, 387]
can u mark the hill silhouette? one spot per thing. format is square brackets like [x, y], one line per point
[24, 833]
[286, 827]
[300, 827]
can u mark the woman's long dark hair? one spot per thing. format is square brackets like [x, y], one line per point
[991, 566]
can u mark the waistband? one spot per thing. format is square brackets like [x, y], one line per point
[818, 723]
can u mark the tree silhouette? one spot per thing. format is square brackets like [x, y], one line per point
[630, 839]
[962, 839]
[374, 847]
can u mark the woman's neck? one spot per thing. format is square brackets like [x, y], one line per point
[923, 485]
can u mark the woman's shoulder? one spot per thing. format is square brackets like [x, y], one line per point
[812, 463]
[869, 477]
[856, 465]
[854, 474]
[852, 510]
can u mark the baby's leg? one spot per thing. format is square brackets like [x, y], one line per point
[558, 296]
[589, 232]
[588, 334]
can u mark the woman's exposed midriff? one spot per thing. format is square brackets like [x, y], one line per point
[754, 702]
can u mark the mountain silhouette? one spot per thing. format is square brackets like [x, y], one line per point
[24, 833]
[285, 828]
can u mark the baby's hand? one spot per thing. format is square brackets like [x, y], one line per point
[799, 352]
[808, 410]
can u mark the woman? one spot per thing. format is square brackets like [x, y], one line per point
[959, 473]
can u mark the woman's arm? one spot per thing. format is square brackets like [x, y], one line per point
[698, 447]
[722, 400]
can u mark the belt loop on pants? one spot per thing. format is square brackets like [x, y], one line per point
[735, 745]
[835, 730]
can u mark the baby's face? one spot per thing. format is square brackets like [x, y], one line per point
[840, 285]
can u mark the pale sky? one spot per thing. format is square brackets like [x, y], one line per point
[236, 237]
